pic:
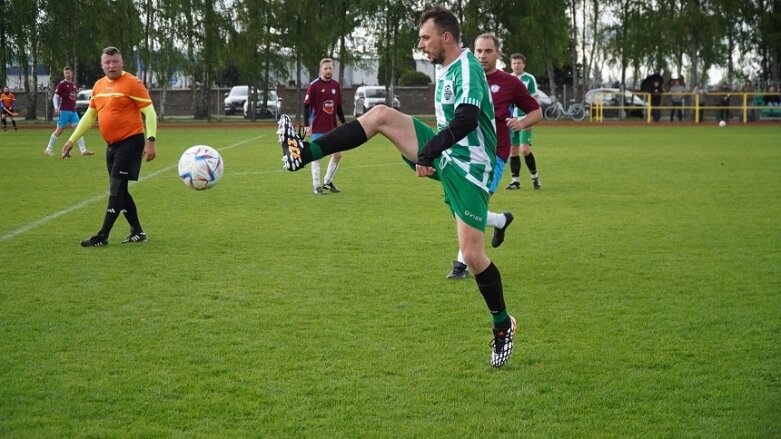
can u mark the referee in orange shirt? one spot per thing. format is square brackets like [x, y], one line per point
[119, 99]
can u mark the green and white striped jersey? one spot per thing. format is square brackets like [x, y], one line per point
[531, 83]
[463, 82]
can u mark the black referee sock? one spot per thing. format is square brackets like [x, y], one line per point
[531, 163]
[490, 284]
[131, 214]
[112, 213]
[515, 165]
[342, 138]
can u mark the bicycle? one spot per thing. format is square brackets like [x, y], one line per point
[575, 111]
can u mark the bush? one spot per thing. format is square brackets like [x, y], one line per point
[414, 78]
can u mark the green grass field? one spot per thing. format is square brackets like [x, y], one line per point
[645, 276]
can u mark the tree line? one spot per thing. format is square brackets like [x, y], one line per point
[227, 42]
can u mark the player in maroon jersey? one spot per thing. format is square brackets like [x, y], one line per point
[64, 102]
[322, 105]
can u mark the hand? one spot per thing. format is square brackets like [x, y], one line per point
[56, 112]
[66, 150]
[514, 124]
[149, 150]
[308, 131]
[424, 171]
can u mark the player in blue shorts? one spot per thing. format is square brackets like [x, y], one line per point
[64, 102]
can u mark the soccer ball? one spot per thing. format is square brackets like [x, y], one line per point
[200, 167]
[722, 124]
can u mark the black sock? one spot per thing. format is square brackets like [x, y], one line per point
[490, 284]
[131, 215]
[515, 165]
[116, 203]
[531, 163]
[112, 213]
[342, 138]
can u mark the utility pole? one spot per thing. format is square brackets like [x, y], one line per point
[3, 44]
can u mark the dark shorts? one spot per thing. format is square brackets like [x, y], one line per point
[123, 159]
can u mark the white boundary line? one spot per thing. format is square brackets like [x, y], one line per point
[29, 226]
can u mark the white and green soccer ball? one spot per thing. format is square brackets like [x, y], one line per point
[200, 167]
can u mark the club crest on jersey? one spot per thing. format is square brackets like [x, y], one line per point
[494, 88]
[328, 106]
[447, 92]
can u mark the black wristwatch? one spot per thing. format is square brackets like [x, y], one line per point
[152, 138]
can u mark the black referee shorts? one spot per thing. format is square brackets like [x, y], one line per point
[123, 158]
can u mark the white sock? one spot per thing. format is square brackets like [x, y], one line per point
[497, 220]
[82, 145]
[315, 165]
[517, 179]
[329, 174]
[52, 141]
[460, 257]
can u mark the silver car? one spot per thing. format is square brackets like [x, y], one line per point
[272, 106]
[367, 96]
[82, 101]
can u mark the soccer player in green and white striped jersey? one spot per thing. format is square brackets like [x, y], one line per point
[460, 154]
[522, 140]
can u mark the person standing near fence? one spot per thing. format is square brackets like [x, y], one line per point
[700, 90]
[676, 98]
[8, 105]
[656, 100]
[64, 102]
[522, 140]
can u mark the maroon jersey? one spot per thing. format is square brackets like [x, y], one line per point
[507, 92]
[323, 97]
[67, 91]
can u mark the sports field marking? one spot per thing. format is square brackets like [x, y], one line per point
[29, 226]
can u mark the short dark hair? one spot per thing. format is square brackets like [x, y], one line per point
[67, 68]
[497, 41]
[444, 20]
[519, 56]
[111, 50]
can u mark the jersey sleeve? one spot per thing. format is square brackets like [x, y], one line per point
[469, 91]
[140, 95]
[308, 97]
[532, 85]
[523, 99]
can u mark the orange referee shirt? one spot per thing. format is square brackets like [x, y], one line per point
[119, 104]
[8, 99]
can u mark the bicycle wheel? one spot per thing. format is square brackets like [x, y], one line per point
[578, 112]
[552, 113]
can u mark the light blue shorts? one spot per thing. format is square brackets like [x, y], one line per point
[67, 118]
[498, 172]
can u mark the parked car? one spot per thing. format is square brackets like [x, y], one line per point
[272, 105]
[82, 101]
[235, 98]
[367, 96]
[611, 97]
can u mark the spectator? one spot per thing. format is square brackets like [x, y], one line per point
[723, 114]
[656, 99]
[772, 99]
[677, 90]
